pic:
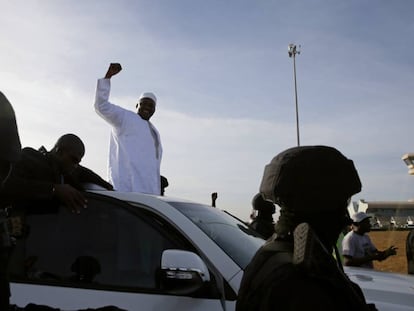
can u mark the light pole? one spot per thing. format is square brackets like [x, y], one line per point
[408, 159]
[292, 51]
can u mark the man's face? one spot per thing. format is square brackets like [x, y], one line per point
[146, 108]
[69, 159]
[364, 226]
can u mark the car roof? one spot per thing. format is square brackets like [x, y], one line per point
[139, 197]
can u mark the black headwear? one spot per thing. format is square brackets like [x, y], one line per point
[313, 172]
[164, 182]
[9, 136]
[262, 205]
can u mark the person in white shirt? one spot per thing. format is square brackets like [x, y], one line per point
[135, 146]
[357, 247]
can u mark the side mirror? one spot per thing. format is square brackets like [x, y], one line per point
[182, 272]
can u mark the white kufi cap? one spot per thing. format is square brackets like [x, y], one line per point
[360, 216]
[148, 95]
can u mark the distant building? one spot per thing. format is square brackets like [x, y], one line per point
[386, 214]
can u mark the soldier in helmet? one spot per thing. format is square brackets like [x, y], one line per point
[295, 269]
[263, 222]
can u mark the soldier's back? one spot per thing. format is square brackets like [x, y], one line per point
[273, 282]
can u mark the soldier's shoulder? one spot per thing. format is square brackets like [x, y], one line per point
[30, 150]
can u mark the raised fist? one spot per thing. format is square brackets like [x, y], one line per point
[113, 69]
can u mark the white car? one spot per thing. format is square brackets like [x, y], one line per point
[143, 252]
[389, 291]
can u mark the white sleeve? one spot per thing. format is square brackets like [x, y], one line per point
[111, 113]
[348, 246]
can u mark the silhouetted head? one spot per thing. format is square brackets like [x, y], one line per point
[69, 151]
[263, 206]
[164, 184]
[86, 268]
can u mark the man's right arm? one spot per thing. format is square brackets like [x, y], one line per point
[114, 68]
[358, 261]
[27, 178]
[18, 189]
[30, 180]
[111, 113]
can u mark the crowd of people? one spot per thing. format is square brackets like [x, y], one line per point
[311, 185]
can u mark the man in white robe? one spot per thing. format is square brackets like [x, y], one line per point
[135, 146]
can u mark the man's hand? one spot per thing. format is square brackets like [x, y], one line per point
[113, 69]
[70, 197]
[213, 199]
[390, 251]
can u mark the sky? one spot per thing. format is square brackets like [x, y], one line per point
[224, 82]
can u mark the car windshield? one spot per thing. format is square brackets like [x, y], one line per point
[234, 237]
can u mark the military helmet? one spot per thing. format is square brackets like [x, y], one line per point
[262, 205]
[314, 172]
[9, 137]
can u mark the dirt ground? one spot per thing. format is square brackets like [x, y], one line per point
[384, 239]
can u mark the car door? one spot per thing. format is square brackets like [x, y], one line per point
[109, 254]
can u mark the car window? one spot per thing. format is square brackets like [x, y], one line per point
[108, 244]
[225, 230]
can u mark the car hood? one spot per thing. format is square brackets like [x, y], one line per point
[389, 291]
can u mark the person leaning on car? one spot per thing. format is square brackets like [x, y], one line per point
[13, 188]
[54, 175]
[295, 269]
[358, 249]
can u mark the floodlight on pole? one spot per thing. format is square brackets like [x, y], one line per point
[408, 159]
[292, 51]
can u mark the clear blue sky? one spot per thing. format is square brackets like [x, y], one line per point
[224, 81]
